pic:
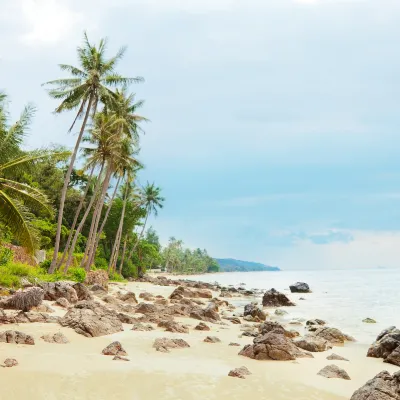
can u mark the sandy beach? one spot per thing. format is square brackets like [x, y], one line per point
[78, 370]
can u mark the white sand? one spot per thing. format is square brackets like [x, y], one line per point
[78, 370]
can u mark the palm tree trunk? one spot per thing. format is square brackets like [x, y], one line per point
[78, 211]
[98, 211]
[83, 220]
[67, 179]
[123, 255]
[140, 236]
[100, 231]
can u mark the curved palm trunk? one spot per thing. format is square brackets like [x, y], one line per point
[78, 211]
[82, 222]
[140, 237]
[123, 255]
[100, 231]
[98, 211]
[67, 179]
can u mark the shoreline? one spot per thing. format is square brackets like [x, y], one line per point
[78, 370]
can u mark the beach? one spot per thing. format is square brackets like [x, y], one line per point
[79, 370]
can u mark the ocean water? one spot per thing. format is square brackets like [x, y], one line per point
[343, 298]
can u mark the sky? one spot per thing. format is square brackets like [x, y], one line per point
[274, 123]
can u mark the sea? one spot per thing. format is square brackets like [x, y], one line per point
[343, 298]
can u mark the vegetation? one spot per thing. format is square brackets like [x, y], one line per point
[231, 265]
[85, 208]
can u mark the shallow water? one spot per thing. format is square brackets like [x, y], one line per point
[342, 298]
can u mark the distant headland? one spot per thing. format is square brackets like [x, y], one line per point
[232, 265]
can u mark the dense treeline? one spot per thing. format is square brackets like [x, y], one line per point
[85, 207]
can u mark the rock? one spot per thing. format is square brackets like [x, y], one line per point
[162, 302]
[98, 289]
[334, 356]
[172, 326]
[126, 318]
[141, 327]
[383, 387]
[16, 337]
[273, 298]
[369, 321]
[212, 339]
[62, 302]
[239, 372]
[55, 290]
[280, 312]
[302, 298]
[58, 338]
[313, 344]
[295, 322]
[10, 362]
[99, 278]
[121, 358]
[202, 327]
[233, 344]
[82, 292]
[292, 333]
[273, 346]
[271, 326]
[23, 300]
[333, 371]
[208, 314]
[128, 297]
[92, 319]
[26, 317]
[333, 335]
[233, 320]
[146, 296]
[43, 308]
[182, 291]
[114, 349]
[146, 308]
[164, 344]
[300, 287]
[111, 300]
[253, 310]
[312, 322]
[387, 346]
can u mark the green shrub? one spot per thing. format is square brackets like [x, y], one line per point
[129, 270]
[6, 255]
[19, 269]
[45, 265]
[114, 276]
[8, 280]
[101, 263]
[77, 274]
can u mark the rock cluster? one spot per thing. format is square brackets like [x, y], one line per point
[273, 298]
[387, 346]
[58, 338]
[16, 337]
[255, 312]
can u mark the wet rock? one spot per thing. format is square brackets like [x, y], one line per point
[333, 371]
[172, 326]
[164, 344]
[202, 327]
[114, 349]
[58, 338]
[273, 346]
[239, 372]
[300, 287]
[91, 319]
[254, 311]
[369, 321]
[16, 337]
[137, 326]
[336, 357]
[387, 346]
[280, 312]
[55, 290]
[313, 344]
[10, 362]
[333, 335]
[273, 298]
[382, 387]
[62, 302]
[212, 339]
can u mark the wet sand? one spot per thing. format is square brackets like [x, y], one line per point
[78, 370]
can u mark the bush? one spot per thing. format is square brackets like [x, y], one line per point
[19, 269]
[114, 276]
[6, 255]
[45, 265]
[77, 274]
[101, 263]
[129, 270]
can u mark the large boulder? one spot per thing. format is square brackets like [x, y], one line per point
[55, 290]
[99, 277]
[91, 319]
[300, 287]
[333, 371]
[23, 300]
[16, 337]
[387, 346]
[313, 344]
[333, 335]
[254, 311]
[273, 346]
[383, 387]
[273, 298]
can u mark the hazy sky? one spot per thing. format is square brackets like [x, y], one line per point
[275, 123]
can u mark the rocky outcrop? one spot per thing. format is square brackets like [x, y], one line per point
[58, 338]
[300, 287]
[23, 300]
[55, 290]
[254, 311]
[114, 349]
[382, 387]
[182, 291]
[16, 337]
[273, 298]
[10, 362]
[91, 319]
[336, 357]
[333, 371]
[333, 335]
[164, 344]
[239, 372]
[172, 326]
[212, 339]
[387, 346]
[99, 277]
[313, 344]
[273, 346]
[202, 327]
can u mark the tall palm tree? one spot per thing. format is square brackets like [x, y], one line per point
[152, 201]
[89, 85]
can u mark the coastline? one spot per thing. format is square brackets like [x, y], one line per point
[78, 370]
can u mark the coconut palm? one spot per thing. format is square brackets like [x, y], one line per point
[89, 85]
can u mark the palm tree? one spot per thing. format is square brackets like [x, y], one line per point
[152, 201]
[90, 84]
